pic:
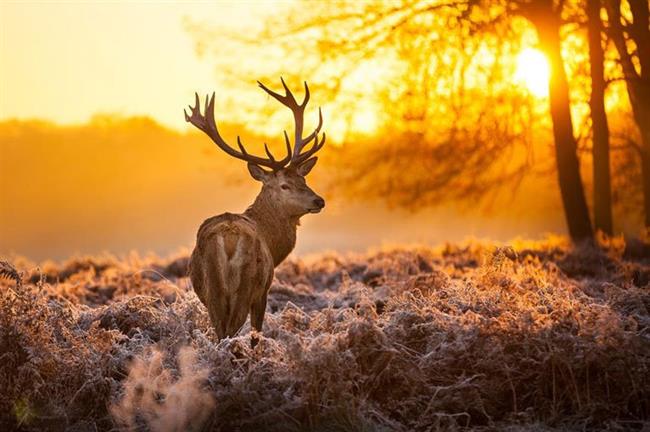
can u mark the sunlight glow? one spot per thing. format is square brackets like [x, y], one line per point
[365, 121]
[533, 71]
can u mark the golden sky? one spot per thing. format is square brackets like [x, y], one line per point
[65, 61]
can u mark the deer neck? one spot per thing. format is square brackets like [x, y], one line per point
[276, 228]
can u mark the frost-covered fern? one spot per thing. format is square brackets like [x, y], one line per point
[9, 271]
[540, 336]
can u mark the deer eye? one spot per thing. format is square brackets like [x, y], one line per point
[285, 187]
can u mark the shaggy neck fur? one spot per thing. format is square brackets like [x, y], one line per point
[276, 228]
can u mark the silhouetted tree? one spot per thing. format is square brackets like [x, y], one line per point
[600, 128]
[632, 40]
[546, 17]
[631, 36]
[460, 129]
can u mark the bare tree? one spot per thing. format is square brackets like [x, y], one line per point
[456, 124]
[546, 16]
[600, 127]
[631, 36]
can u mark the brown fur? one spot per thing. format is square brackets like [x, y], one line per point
[232, 265]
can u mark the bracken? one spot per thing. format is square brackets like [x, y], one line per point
[536, 336]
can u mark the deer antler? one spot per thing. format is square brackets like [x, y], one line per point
[207, 124]
[298, 111]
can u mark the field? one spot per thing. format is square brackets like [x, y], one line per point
[531, 336]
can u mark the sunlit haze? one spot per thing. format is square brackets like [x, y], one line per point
[418, 139]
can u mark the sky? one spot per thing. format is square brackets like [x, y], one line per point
[66, 61]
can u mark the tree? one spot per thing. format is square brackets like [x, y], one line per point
[457, 126]
[632, 41]
[546, 18]
[600, 128]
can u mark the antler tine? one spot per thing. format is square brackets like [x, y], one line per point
[317, 130]
[209, 112]
[287, 94]
[286, 140]
[268, 153]
[288, 100]
[306, 99]
[241, 146]
[192, 109]
[207, 124]
[298, 111]
[306, 155]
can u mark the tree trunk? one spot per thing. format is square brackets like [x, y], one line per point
[568, 167]
[601, 169]
[637, 83]
[645, 172]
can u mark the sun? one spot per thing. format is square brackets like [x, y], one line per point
[533, 71]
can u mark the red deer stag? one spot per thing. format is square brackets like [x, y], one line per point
[231, 267]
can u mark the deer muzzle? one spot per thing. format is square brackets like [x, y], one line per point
[318, 205]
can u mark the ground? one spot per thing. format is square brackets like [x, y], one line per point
[480, 336]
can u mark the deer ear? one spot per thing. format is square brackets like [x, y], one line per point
[305, 167]
[257, 172]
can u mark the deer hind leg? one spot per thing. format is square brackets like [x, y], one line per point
[215, 290]
[257, 313]
[216, 317]
[239, 284]
[258, 307]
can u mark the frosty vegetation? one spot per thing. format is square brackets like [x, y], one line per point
[533, 336]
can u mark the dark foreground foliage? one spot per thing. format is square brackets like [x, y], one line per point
[537, 336]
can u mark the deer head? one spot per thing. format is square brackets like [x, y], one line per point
[284, 180]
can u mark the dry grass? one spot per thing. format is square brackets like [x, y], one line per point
[537, 336]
